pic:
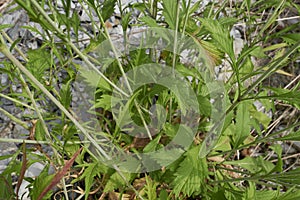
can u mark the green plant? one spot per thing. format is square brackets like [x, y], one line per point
[213, 166]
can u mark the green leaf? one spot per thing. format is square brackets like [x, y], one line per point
[151, 146]
[75, 22]
[40, 183]
[220, 194]
[163, 195]
[66, 94]
[165, 156]
[278, 150]
[288, 179]
[93, 79]
[39, 62]
[292, 137]
[191, 174]
[291, 194]
[149, 21]
[266, 195]
[213, 51]
[4, 26]
[104, 102]
[258, 52]
[6, 187]
[150, 188]
[291, 97]
[261, 117]
[116, 182]
[126, 20]
[254, 165]
[291, 38]
[220, 36]
[89, 173]
[242, 123]
[39, 131]
[204, 106]
[14, 44]
[169, 12]
[67, 6]
[107, 9]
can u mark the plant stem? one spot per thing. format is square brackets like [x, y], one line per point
[13, 118]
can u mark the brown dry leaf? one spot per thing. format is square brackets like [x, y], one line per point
[139, 183]
[116, 196]
[216, 159]
[32, 129]
[23, 169]
[58, 176]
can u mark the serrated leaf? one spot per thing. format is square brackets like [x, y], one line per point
[169, 12]
[242, 123]
[104, 102]
[89, 173]
[213, 52]
[93, 79]
[126, 20]
[291, 97]
[39, 62]
[165, 157]
[204, 106]
[266, 195]
[220, 35]
[191, 174]
[66, 94]
[258, 52]
[75, 22]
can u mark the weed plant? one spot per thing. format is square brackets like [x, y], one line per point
[246, 160]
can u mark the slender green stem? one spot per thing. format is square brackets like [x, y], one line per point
[13, 118]
[16, 47]
[154, 9]
[124, 75]
[4, 49]
[186, 17]
[78, 52]
[16, 101]
[115, 54]
[12, 140]
[260, 140]
[176, 37]
[61, 34]
[279, 63]
[6, 52]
